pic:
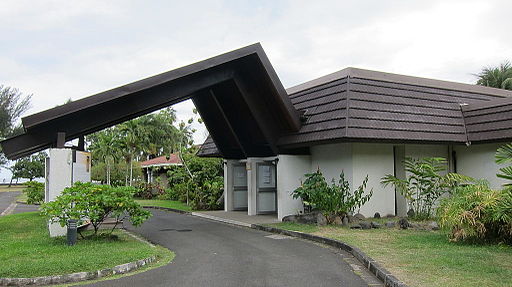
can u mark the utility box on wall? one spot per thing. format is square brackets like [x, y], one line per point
[64, 166]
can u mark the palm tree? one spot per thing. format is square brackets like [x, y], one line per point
[106, 147]
[496, 77]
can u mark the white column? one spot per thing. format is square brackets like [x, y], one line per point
[251, 186]
[228, 185]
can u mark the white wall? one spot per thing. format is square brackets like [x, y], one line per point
[478, 162]
[290, 174]
[332, 159]
[374, 160]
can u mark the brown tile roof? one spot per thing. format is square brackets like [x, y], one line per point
[208, 149]
[361, 105]
[172, 159]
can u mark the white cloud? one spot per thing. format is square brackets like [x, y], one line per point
[67, 49]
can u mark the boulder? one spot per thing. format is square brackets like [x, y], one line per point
[290, 218]
[365, 225]
[308, 218]
[411, 213]
[376, 215]
[345, 221]
[355, 226]
[352, 219]
[359, 216]
[320, 219]
[337, 221]
[390, 224]
[404, 223]
[433, 225]
[375, 224]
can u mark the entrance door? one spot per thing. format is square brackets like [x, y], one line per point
[239, 187]
[266, 197]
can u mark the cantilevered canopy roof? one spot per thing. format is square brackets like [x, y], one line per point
[238, 95]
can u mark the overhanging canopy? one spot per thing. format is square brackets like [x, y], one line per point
[238, 95]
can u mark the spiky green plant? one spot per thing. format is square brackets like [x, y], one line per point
[497, 77]
[504, 156]
[424, 183]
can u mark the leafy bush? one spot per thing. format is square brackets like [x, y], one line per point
[148, 190]
[424, 184]
[476, 212]
[34, 192]
[333, 200]
[86, 201]
[199, 183]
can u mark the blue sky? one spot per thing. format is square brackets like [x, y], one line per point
[57, 50]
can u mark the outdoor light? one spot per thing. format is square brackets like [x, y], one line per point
[72, 231]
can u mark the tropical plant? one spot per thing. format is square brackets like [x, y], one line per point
[503, 156]
[333, 200]
[106, 148]
[95, 203]
[424, 183]
[476, 212]
[496, 77]
[35, 192]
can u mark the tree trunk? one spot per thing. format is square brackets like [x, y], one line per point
[131, 172]
[108, 173]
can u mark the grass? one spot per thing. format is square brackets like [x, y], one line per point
[425, 258]
[26, 249]
[164, 203]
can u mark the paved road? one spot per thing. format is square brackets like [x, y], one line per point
[215, 254]
[8, 198]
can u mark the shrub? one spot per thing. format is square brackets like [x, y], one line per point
[34, 192]
[503, 156]
[333, 200]
[85, 201]
[424, 184]
[206, 196]
[148, 190]
[477, 213]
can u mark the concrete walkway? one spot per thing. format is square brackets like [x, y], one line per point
[237, 217]
[213, 254]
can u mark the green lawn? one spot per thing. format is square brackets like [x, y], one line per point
[26, 249]
[425, 258]
[164, 203]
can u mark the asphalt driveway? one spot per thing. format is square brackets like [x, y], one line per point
[215, 254]
[8, 204]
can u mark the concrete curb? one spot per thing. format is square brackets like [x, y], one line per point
[167, 208]
[223, 220]
[76, 277]
[384, 275]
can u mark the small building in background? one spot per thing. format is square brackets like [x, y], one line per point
[155, 170]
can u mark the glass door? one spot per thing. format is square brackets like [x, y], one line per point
[239, 187]
[266, 197]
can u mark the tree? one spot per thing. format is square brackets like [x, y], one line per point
[12, 105]
[496, 77]
[95, 203]
[106, 148]
[30, 167]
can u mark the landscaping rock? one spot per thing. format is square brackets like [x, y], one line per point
[308, 218]
[411, 213]
[345, 221]
[355, 226]
[416, 226]
[365, 225]
[390, 224]
[375, 224]
[290, 218]
[376, 215]
[352, 219]
[433, 225]
[359, 216]
[404, 223]
[337, 220]
[321, 220]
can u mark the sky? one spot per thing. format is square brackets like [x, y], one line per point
[60, 50]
